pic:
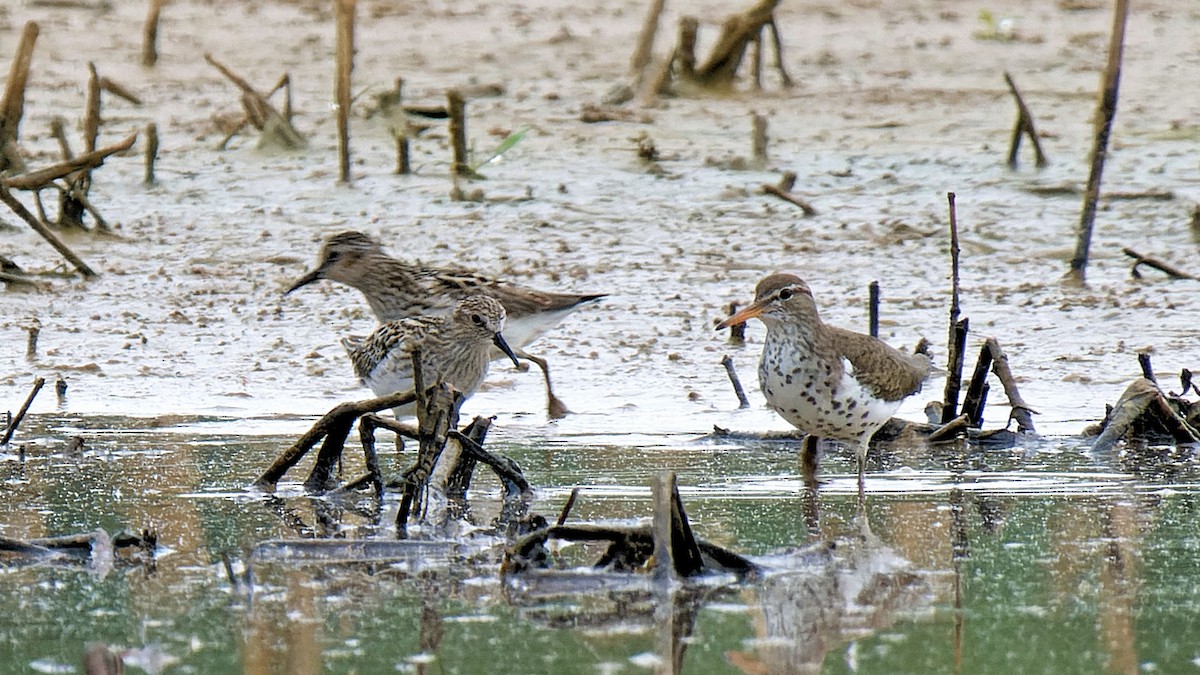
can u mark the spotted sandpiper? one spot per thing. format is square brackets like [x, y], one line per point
[396, 289]
[454, 349]
[826, 381]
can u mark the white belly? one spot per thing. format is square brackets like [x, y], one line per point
[845, 411]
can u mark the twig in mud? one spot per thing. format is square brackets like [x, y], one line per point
[401, 132]
[976, 397]
[509, 474]
[566, 509]
[151, 153]
[743, 402]
[457, 109]
[758, 138]
[274, 127]
[345, 64]
[150, 34]
[873, 309]
[16, 421]
[737, 334]
[1024, 126]
[91, 117]
[20, 210]
[1021, 411]
[954, 357]
[12, 106]
[1147, 370]
[738, 31]
[645, 43]
[459, 480]
[957, 330]
[296, 452]
[1107, 111]
[783, 191]
[41, 178]
[31, 342]
[59, 132]
[676, 553]
[1165, 268]
[121, 91]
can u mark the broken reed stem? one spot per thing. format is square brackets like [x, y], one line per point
[1024, 125]
[296, 452]
[119, 90]
[31, 342]
[12, 107]
[151, 152]
[75, 193]
[456, 107]
[759, 137]
[873, 309]
[16, 421]
[949, 404]
[645, 44]
[685, 54]
[91, 118]
[59, 132]
[345, 63]
[958, 342]
[150, 34]
[1147, 370]
[36, 180]
[403, 150]
[756, 61]
[19, 208]
[737, 334]
[976, 396]
[1106, 112]
[566, 509]
[1021, 411]
[743, 402]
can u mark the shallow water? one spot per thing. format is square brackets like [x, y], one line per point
[1038, 558]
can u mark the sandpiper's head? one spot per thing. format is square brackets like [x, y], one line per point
[483, 316]
[777, 298]
[340, 258]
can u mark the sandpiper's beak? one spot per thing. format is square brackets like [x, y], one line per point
[499, 342]
[315, 275]
[750, 311]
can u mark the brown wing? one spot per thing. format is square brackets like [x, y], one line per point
[886, 372]
[517, 300]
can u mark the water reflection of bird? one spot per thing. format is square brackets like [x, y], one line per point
[454, 349]
[396, 289]
[826, 381]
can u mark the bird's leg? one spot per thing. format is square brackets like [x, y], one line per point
[808, 501]
[808, 461]
[555, 408]
[861, 454]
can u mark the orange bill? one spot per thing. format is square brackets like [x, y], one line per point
[748, 312]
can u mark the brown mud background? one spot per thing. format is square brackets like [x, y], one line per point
[895, 104]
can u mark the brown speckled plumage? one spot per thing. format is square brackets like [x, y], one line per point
[824, 380]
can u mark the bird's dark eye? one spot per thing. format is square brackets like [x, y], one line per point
[785, 294]
[477, 319]
[333, 256]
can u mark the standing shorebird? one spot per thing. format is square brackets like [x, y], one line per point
[826, 381]
[455, 349]
[395, 290]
